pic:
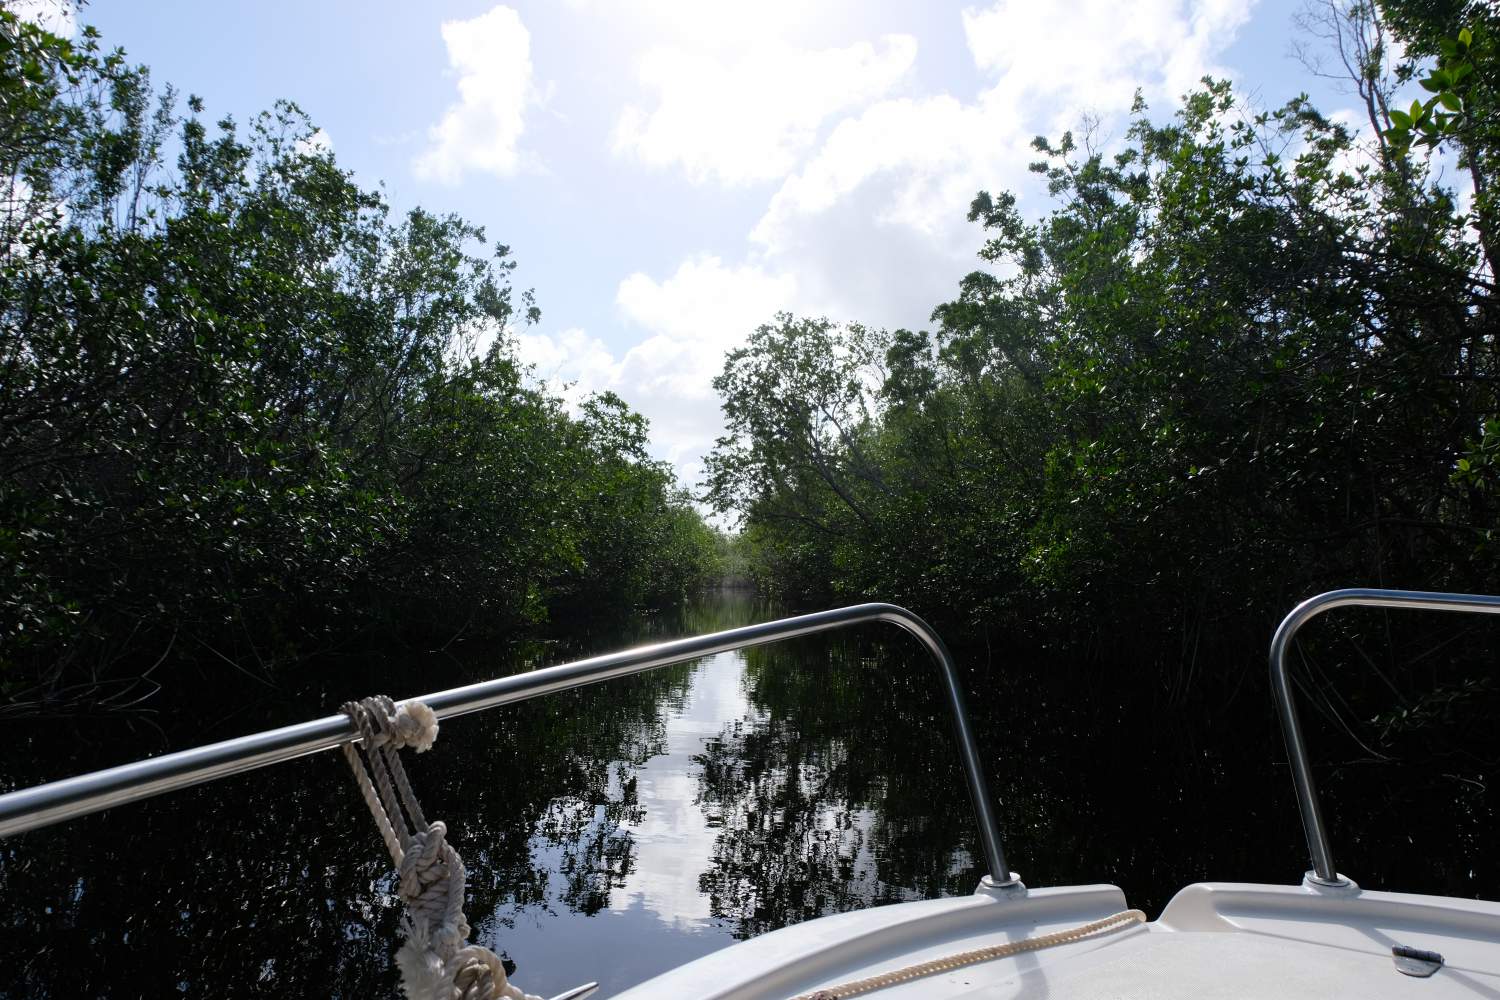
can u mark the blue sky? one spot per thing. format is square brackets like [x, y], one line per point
[670, 173]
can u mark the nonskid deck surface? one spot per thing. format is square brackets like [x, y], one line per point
[1150, 963]
[1215, 940]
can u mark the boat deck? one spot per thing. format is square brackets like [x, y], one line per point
[1214, 940]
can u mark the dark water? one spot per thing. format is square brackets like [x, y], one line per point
[615, 832]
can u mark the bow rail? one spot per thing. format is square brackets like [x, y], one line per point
[31, 808]
[1324, 872]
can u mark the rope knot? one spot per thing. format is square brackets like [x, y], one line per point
[414, 725]
[382, 723]
[425, 861]
[436, 961]
[477, 973]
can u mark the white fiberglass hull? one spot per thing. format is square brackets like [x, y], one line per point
[1223, 940]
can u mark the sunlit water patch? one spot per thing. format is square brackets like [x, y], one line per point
[654, 914]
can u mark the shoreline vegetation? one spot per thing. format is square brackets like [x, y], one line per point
[1239, 358]
[248, 416]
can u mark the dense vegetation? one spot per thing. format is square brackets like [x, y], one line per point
[1244, 356]
[246, 414]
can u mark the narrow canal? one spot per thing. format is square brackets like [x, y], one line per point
[615, 832]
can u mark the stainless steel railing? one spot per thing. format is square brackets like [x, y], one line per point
[1324, 872]
[31, 808]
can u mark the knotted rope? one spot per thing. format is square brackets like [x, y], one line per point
[436, 960]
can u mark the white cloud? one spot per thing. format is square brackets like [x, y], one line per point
[1093, 54]
[56, 16]
[571, 363]
[317, 144]
[705, 301]
[491, 55]
[714, 23]
[871, 224]
[748, 118]
[690, 320]
[874, 222]
[935, 149]
[1363, 153]
[693, 319]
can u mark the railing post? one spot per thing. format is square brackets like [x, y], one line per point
[1324, 872]
[1000, 876]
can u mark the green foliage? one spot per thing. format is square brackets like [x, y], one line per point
[1236, 362]
[1449, 112]
[1450, 50]
[245, 413]
[1480, 466]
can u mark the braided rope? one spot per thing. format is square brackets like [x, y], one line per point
[437, 961]
[950, 962]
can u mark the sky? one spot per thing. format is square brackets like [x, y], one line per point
[670, 174]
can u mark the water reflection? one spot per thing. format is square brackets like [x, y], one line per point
[840, 793]
[643, 911]
[618, 831]
[763, 801]
[609, 834]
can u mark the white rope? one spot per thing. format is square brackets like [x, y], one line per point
[437, 961]
[851, 989]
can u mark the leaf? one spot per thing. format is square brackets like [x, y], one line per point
[1465, 37]
[1450, 101]
[1401, 120]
